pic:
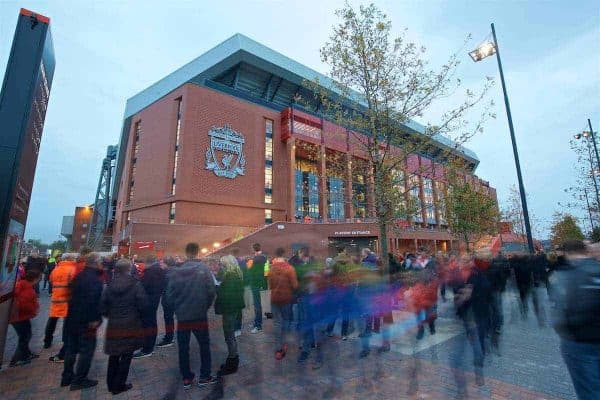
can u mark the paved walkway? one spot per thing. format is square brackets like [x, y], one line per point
[530, 367]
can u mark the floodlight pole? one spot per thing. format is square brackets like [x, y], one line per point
[594, 142]
[514, 146]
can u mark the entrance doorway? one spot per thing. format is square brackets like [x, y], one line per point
[353, 245]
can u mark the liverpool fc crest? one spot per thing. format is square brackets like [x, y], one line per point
[225, 156]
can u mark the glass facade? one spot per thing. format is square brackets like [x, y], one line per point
[440, 192]
[172, 214]
[307, 189]
[335, 199]
[414, 190]
[136, 148]
[428, 200]
[268, 216]
[359, 196]
[268, 161]
[176, 156]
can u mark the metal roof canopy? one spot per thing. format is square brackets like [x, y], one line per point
[240, 50]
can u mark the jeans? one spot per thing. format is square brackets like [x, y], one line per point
[168, 315]
[49, 333]
[23, 329]
[257, 307]
[83, 344]
[305, 326]
[229, 326]
[150, 327]
[282, 320]
[583, 363]
[200, 330]
[238, 321]
[118, 370]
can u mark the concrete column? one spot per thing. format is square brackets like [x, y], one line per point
[348, 207]
[370, 192]
[291, 155]
[322, 171]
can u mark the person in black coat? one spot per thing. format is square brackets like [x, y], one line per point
[82, 321]
[123, 303]
[154, 282]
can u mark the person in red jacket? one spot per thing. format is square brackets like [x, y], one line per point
[25, 306]
[283, 283]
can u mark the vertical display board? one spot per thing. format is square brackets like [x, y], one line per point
[23, 103]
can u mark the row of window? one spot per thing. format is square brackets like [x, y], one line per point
[268, 162]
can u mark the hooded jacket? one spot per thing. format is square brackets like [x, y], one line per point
[154, 281]
[84, 306]
[190, 291]
[282, 281]
[25, 304]
[576, 295]
[123, 303]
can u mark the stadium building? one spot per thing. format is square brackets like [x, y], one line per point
[220, 152]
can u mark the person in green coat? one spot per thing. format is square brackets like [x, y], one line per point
[229, 303]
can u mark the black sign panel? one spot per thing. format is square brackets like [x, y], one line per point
[23, 103]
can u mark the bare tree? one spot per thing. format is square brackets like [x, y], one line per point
[380, 85]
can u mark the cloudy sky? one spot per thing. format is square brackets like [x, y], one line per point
[107, 51]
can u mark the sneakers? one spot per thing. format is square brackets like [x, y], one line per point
[364, 353]
[303, 356]
[125, 388]
[256, 330]
[19, 363]
[329, 334]
[238, 333]
[65, 382]
[187, 383]
[229, 367]
[344, 338]
[165, 343]
[56, 358]
[202, 382]
[142, 354]
[84, 384]
[384, 348]
[279, 354]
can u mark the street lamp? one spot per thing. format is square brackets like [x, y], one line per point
[484, 50]
[590, 135]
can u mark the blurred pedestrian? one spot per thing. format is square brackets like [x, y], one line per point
[191, 292]
[82, 322]
[154, 282]
[229, 304]
[283, 284]
[256, 275]
[576, 297]
[123, 303]
[61, 278]
[47, 271]
[25, 307]
[169, 264]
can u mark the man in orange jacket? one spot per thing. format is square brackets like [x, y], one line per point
[60, 278]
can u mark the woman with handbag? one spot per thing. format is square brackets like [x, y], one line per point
[123, 302]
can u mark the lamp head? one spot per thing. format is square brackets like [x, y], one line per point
[484, 50]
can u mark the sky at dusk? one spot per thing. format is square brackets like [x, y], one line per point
[107, 51]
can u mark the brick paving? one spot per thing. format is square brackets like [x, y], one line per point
[530, 367]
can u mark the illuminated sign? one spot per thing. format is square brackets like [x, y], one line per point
[225, 156]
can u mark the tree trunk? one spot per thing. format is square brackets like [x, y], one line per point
[383, 238]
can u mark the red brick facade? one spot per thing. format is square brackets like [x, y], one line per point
[209, 208]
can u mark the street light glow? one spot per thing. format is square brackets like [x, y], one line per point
[216, 245]
[204, 250]
[484, 50]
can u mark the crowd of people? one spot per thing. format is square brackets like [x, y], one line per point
[306, 298]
